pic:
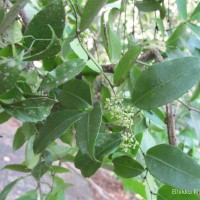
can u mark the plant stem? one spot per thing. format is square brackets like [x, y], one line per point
[12, 14]
[189, 107]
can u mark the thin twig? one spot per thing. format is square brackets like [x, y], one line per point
[190, 108]
[88, 54]
[12, 14]
[170, 120]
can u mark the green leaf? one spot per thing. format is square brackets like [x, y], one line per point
[123, 68]
[88, 130]
[148, 6]
[90, 11]
[163, 82]
[196, 13]
[105, 93]
[30, 158]
[107, 144]
[63, 73]
[23, 134]
[30, 195]
[58, 169]
[104, 32]
[38, 35]
[4, 193]
[168, 193]
[30, 110]
[176, 36]
[171, 166]
[127, 167]
[83, 54]
[17, 167]
[134, 186]
[55, 126]
[9, 74]
[87, 166]
[182, 8]
[139, 138]
[40, 169]
[52, 49]
[196, 93]
[134, 75]
[4, 117]
[195, 29]
[76, 95]
[113, 41]
[59, 152]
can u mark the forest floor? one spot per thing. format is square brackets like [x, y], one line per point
[102, 186]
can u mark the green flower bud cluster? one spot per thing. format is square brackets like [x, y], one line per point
[124, 114]
[128, 142]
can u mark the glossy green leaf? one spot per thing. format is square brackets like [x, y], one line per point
[123, 68]
[38, 35]
[162, 83]
[4, 117]
[139, 138]
[105, 93]
[83, 54]
[76, 95]
[90, 11]
[195, 29]
[30, 195]
[127, 167]
[113, 40]
[7, 189]
[23, 134]
[196, 13]
[182, 8]
[63, 73]
[52, 49]
[31, 159]
[147, 6]
[55, 126]
[30, 110]
[104, 32]
[17, 167]
[87, 166]
[59, 152]
[196, 93]
[134, 186]
[40, 169]
[168, 193]
[134, 75]
[171, 166]
[59, 169]
[9, 74]
[107, 144]
[176, 36]
[88, 130]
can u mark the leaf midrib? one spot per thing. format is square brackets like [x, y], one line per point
[157, 86]
[176, 169]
